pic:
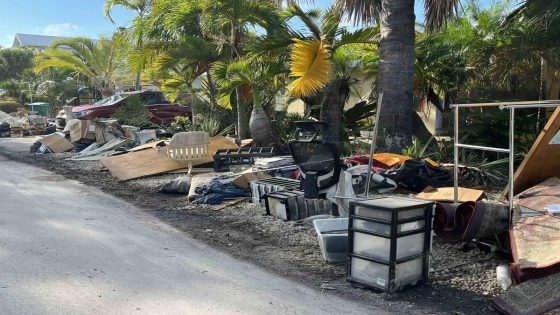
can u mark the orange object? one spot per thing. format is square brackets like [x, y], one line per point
[391, 159]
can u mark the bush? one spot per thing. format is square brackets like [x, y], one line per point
[211, 125]
[134, 113]
[286, 126]
[9, 105]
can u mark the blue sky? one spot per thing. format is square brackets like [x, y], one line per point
[75, 17]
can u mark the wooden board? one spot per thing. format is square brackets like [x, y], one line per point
[140, 164]
[148, 146]
[542, 161]
[56, 143]
[446, 194]
[216, 143]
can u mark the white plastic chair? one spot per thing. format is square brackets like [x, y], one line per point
[188, 146]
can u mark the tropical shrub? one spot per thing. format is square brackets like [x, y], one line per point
[9, 105]
[134, 113]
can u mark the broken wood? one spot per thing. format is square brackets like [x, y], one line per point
[446, 194]
[230, 203]
[543, 160]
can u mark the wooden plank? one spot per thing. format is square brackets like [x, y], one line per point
[141, 164]
[148, 146]
[230, 203]
[446, 194]
[542, 161]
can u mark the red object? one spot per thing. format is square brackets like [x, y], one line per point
[162, 111]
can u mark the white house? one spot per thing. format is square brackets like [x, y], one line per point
[38, 42]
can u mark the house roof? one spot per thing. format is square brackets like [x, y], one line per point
[34, 40]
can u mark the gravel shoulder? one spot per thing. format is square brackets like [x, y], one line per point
[463, 281]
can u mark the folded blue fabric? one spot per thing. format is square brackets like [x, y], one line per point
[215, 193]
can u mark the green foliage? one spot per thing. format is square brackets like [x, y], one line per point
[14, 61]
[96, 61]
[9, 105]
[286, 126]
[417, 149]
[211, 125]
[215, 120]
[134, 113]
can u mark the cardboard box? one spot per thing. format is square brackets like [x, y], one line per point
[80, 129]
[243, 180]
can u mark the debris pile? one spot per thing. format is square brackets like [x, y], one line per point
[385, 242]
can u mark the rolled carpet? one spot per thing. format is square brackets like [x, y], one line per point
[470, 220]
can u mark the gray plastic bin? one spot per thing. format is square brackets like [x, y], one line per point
[333, 238]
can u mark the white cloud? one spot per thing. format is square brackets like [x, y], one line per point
[7, 40]
[62, 29]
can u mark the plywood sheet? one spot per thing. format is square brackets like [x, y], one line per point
[140, 164]
[153, 161]
[446, 194]
[56, 143]
[543, 160]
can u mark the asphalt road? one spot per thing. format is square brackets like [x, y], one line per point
[66, 248]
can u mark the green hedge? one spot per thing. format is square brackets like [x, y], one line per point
[9, 105]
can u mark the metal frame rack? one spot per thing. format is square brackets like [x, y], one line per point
[511, 106]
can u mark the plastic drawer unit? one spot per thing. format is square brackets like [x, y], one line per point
[389, 242]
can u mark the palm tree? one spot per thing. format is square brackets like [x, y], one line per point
[228, 22]
[97, 61]
[313, 59]
[396, 68]
[541, 20]
[253, 76]
[141, 7]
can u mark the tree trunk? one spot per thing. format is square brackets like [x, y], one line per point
[332, 111]
[396, 74]
[259, 125]
[241, 115]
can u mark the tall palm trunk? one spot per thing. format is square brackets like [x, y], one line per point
[332, 108]
[396, 74]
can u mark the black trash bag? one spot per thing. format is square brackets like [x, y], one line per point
[417, 174]
[4, 130]
[4, 127]
[179, 185]
[216, 192]
[35, 147]
[50, 130]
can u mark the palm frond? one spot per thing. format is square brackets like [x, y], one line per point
[439, 12]
[311, 65]
[536, 11]
[367, 35]
[309, 20]
[360, 11]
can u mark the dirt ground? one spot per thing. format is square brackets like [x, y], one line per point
[462, 281]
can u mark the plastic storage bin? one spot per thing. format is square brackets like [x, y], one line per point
[333, 238]
[389, 242]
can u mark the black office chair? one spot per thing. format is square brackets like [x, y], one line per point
[319, 164]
